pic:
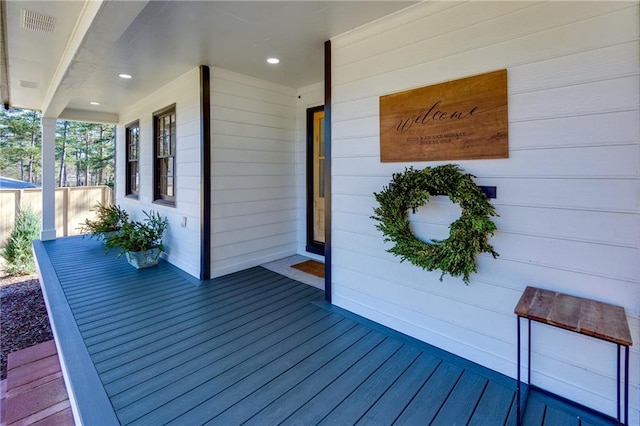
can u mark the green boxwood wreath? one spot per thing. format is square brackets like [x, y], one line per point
[468, 235]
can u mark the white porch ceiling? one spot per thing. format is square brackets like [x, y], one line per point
[157, 41]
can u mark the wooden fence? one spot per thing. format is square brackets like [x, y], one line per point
[73, 206]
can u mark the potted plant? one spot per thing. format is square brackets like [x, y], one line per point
[109, 220]
[141, 242]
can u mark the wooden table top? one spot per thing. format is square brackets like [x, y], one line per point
[584, 316]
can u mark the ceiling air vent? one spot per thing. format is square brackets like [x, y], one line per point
[37, 21]
[28, 84]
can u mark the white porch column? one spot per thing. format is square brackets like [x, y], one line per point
[48, 179]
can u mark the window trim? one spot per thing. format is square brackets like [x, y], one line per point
[158, 197]
[129, 192]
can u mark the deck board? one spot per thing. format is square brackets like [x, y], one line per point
[216, 378]
[489, 410]
[320, 405]
[255, 347]
[391, 405]
[286, 403]
[536, 411]
[461, 403]
[190, 343]
[213, 344]
[203, 364]
[300, 359]
[347, 347]
[165, 328]
[109, 317]
[351, 410]
[168, 321]
[434, 393]
[556, 417]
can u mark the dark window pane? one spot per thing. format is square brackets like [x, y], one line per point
[172, 145]
[164, 173]
[135, 177]
[135, 142]
[132, 150]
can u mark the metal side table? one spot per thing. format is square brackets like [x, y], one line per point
[589, 317]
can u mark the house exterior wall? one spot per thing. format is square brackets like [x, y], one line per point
[181, 243]
[568, 196]
[307, 97]
[254, 206]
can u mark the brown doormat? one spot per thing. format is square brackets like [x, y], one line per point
[311, 267]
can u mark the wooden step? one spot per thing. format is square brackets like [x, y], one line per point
[35, 388]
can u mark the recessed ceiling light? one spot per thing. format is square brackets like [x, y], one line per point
[126, 76]
[273, 61]
[94, 103]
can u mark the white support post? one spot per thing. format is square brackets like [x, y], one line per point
[48, 179]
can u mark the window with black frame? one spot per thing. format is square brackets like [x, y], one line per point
[133, 168]
[165, 156]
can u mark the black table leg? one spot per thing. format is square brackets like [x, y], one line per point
[626, 385]
[529, 351]
[618, 386]
[518, 383]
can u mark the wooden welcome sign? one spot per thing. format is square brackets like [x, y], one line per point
[458, 120]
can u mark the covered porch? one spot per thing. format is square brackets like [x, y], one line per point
[157, 346]
[242, 192]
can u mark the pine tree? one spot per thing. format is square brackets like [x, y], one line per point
[84, 151]
[17, 251]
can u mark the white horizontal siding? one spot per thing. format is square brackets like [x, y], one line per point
[181, 243]
[568, 196]
[616, 161]
[530, 34]
[253, 172]
[226, 211]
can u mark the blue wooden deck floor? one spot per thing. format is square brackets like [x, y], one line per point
[155, 346]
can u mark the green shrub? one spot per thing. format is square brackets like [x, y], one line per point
[17, 251]
[109, 218]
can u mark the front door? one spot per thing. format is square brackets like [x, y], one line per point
[315, 180]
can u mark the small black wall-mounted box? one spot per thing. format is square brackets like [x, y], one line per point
[490, 191]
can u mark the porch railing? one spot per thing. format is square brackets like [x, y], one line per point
[73, 206]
